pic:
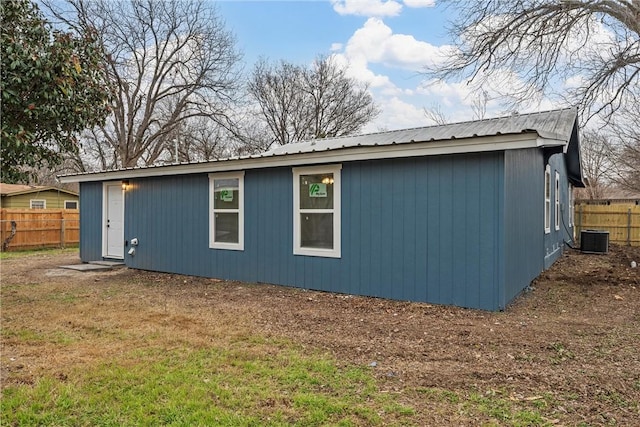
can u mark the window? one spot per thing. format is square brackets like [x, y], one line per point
[557, 200]
[547, 199]
[71, 204]
[316, 211]
[226, 211]
[37, 204]
[572, 208]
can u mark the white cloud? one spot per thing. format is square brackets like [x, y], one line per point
[375, 42]
[357, 69]
[574, 82]
[457, 99]
[447, 94]
[397, 114]
[376, 55]
[367, 7]
[375, 46]
[419, 3]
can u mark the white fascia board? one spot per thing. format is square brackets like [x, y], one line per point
[547, 142]
[391, 151]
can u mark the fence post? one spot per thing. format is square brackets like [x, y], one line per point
[62, 232]
[629, 227]
[1, 225]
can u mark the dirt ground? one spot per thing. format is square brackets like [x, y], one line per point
[572, 341]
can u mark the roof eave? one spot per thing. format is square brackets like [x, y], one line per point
[413, 149]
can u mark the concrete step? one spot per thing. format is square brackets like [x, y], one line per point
[108, 263]
[86, 267]
[94, 266]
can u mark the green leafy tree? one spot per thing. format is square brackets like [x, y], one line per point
[53, 86]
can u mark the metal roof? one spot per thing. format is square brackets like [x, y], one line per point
[556, 124]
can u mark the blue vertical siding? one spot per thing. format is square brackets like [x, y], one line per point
[463, 229]
[424, 242]
[90, 221]
[170, 217]
[524, 219]
[167, 215]
[444, 282]
[528, 249]
[421, 229]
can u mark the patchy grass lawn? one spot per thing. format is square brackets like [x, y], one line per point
[126, 347]
[37, 252]
[272, 384]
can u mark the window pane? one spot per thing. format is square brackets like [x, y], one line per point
[226, 227]
[316, 191]
[70, 205]
[226, 193]
[547, 213]
[316, 230]
[547, 187]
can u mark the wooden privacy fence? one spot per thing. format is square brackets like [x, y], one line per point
[622, 221]
[39, 228]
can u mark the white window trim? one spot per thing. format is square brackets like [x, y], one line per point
[547, 200]
[44, 203]
[557, 201]
[337, 212]
[64, 204]
[212, 232]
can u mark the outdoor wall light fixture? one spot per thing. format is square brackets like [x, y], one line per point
[125, 184]
[327, 180]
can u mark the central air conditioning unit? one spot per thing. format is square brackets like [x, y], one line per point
[594, 241]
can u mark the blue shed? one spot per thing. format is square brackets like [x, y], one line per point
[464, 214]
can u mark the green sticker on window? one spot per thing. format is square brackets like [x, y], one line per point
[226, 195]
[318, 190]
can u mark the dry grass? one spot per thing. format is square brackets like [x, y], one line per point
[132, 347]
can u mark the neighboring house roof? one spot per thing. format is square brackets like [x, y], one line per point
[17, 189]
[543, 129]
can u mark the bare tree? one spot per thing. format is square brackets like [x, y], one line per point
[253, 135]
[625, 137]
[436, 115]
[171, 61]
[276, 88]
[591, 48]
[199, 139]
[597, 164]
[339, 105]
[479, 105]
[299, 103]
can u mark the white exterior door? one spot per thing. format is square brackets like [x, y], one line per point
[113, 221]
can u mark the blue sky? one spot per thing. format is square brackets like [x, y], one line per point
[385, 43]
